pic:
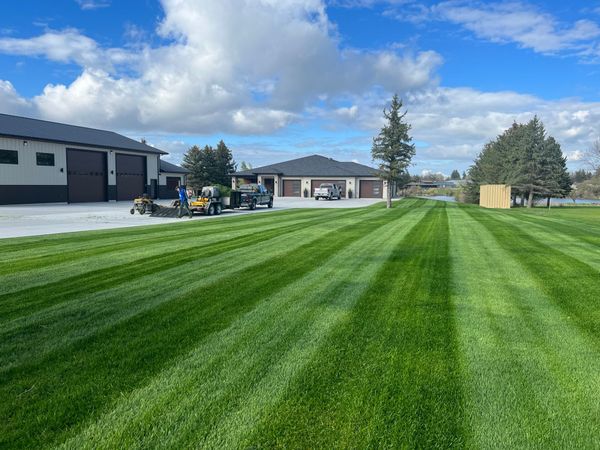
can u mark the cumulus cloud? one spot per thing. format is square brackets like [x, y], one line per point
[67, 46]
[217, 71]
[10, 100]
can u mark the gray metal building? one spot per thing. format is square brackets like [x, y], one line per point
[43, 161]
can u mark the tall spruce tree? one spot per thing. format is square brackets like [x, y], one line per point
[224, 164]
[392, 148]
[193, 161]
[455, 175]
[524, 157]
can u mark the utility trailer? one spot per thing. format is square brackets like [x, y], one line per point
[211, 202]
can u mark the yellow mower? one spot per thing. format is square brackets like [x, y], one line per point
[142, 205]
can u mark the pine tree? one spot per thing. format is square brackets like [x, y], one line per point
[455, 175]
[392, 148]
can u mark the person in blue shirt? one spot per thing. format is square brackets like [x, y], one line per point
[183, 201]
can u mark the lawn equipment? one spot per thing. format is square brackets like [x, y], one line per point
[142, 205]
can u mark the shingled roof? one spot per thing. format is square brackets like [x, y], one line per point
[171, 168]
[27, 128]
[312, 166]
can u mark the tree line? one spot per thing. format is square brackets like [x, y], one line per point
[526, 158]
[209, 166]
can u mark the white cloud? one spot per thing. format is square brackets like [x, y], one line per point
[218, 71]
[67, 46]
[93, 4]
[10, 100]
[519, 23]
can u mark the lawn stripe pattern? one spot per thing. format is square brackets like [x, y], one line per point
[531, 375]
[427, 325]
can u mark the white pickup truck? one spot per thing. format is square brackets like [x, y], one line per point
[328, 191]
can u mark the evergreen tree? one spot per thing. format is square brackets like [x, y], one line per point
[224, 164]
[392, 148]
[245, 166]
[455, 175]
[193, 161]
[524, 157]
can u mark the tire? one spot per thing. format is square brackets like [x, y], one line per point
[143, 210]
[317, 198]
[218, 210]
[132, 211]
[270, 204]
[210, 211]
[253, 205]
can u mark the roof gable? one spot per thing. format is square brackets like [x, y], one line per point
[25, 127]
[313, 166]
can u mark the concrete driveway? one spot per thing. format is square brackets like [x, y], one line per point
[34, 220]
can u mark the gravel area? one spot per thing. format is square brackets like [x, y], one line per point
[34, 220]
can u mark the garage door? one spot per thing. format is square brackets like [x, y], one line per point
[86, 176]
[131, 176]
[371, 189]
[172, 183]
[316, 183]
[291, 188]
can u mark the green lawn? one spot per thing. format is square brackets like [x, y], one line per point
[428, 325]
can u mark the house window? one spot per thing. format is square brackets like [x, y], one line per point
[44, 159]
[9, 157]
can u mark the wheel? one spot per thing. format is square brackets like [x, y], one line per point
[132, 211]
[270, 204]
[316, 198]
[218, 210]
[253, 204]
[143, 210]
[210, 211]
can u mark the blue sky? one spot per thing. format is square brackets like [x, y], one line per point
[278, 79]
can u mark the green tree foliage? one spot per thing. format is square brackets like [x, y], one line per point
[581, 175]
[455, 175]
[224, 164]
[209, 166]
[392, 147]
[193, 161]
[245, 166]
[524, 157]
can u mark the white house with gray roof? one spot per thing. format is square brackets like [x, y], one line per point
[43, 161]
[299, 177]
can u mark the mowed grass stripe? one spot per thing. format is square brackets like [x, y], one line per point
[43, 401]
[28, 300]
[531, 377]
[15, 247]
[571, 283]
[65, 265]
[388, 376]
[73, 249]
[32, 336]
[216, 394]
[576, 244]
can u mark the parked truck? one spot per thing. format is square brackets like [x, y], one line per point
[328, 191]
[210, 200]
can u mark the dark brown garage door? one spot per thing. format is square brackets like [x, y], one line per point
[316, 183]
[131, 176]
[291, 188]
[86, 176]
[371, 189]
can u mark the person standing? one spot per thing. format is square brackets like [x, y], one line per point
[183, 202]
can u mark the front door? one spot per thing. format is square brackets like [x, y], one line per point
[269, 184]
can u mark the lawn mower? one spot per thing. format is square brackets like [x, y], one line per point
[142, 205]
